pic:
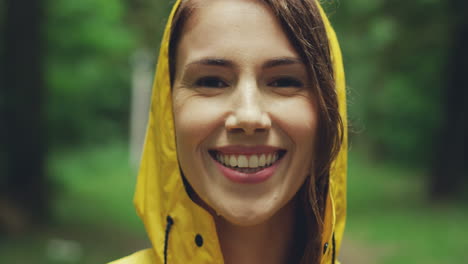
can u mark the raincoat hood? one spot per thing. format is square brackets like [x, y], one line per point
[181, 231]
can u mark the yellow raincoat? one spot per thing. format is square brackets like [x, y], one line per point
[182, 232]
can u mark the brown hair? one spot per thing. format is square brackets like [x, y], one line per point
[302, 22]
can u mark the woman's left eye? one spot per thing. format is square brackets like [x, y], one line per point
[286, 82]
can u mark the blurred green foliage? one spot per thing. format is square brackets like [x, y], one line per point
[95, 221]
[395, 54]
[391, 220]
[89, 44]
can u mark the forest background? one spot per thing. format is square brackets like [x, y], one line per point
[75, 84]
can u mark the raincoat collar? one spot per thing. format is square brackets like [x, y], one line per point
[182, 232]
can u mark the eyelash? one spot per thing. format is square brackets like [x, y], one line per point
[286, 82]
[211, 82]
[215, 82]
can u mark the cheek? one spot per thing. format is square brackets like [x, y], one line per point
[194, 117]
[300, 121]
[298, 116]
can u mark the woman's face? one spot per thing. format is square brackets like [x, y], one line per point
[245, 117]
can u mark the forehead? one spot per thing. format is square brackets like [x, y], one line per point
[242, 29]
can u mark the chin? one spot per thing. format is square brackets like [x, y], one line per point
[246, 215]
[245, 220]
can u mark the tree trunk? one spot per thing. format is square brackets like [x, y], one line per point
[23, 192]
[449, 172]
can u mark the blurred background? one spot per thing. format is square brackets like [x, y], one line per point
[76, 79]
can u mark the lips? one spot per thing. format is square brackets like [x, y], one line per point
[247, 164]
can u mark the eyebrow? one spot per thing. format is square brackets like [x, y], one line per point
[213, 62]
[280, 61]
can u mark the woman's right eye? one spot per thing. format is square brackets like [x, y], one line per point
[211, 82]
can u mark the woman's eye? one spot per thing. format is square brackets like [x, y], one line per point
[286, 82]
[211, 82]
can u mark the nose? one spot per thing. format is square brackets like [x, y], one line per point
[249, 115]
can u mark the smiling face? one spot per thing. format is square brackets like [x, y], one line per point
[245, 116]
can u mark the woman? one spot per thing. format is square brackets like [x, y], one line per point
[245, 152]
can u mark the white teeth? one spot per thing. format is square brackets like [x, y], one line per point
[253, 161]
[268, 160]
[262, 160]
[242, 161]
[233, 161]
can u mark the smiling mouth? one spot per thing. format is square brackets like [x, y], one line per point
[247, 163]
